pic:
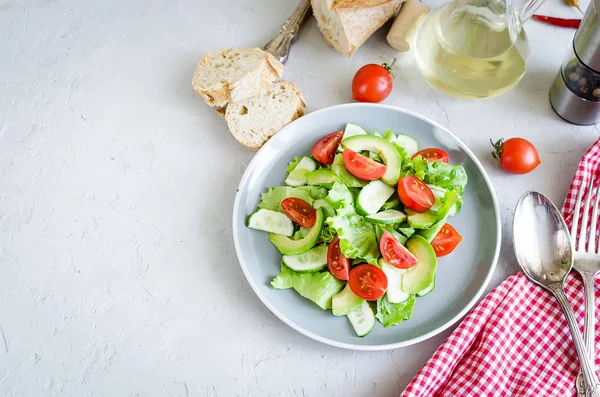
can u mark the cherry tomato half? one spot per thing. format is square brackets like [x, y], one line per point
[395, 253]
[415, 194]
[325, 148]
[446, 240]
[338, 264]
[516, 155]
[368, 282]
[299, 211]
[433, 154]
[372, 83]
[363, 167]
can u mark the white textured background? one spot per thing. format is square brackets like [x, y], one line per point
[117, 270]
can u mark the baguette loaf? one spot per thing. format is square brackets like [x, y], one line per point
[347, 24]
[254, 120]
[234, 75]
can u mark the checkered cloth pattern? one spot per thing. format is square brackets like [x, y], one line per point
[516, 341]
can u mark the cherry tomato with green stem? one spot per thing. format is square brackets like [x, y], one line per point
[516, 155]
[372, 82]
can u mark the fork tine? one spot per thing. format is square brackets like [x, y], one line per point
[575, 220]
[584, 221]
[592, 245]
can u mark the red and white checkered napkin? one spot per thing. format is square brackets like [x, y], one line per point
[516, 341]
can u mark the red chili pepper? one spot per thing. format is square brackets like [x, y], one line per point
[566, 23]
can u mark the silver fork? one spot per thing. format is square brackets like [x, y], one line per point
[587, 263]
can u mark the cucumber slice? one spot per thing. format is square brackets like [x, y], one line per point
[287, 246]
[387, 217]
[321, 177]
[328, 210]
[438, 193]
[383, 148]
[420, 276]
[298, 175]
[373, 196]
[394, 276]
[421, 220]
[306, 164]
[272, 222]
[344, 302]
[351, 130]
[313, 260]
[399, 236]
[391, 203]
[362, 319]
[406, 230]
[408, 143]
[381, 228]
[427, 290]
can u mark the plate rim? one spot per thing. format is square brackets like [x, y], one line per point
[387, 346]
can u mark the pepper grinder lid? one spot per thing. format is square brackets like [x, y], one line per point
[587, 39]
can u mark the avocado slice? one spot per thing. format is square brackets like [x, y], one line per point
[422, 274]
[344, 302]
[383, 148]
[287, 246]
[427, 290]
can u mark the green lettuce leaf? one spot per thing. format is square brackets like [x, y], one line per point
[272, 198]
[357, 237]
[328, 233]
[318, 287]
[344, 176]
[314, 191]
[390, 136]
[446, 175]
[437, 173]
[390, 314]
[293, 164]
[416, 167]
[450, 199]
[340, 197]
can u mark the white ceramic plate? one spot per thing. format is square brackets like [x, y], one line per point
[461, 276]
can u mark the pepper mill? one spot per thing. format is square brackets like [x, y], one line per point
[575, 93]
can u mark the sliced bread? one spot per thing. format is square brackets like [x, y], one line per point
[254, 120]
[235, 74]
[347, 24]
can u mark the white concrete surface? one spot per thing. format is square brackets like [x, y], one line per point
[117, 270]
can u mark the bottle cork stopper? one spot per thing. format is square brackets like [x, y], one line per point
[409, 18]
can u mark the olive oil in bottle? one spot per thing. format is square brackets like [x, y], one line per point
[472, 51]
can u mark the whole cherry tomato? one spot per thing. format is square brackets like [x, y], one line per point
[372, 82]
[516, 155]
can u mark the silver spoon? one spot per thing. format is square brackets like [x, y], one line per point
[545, 253]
